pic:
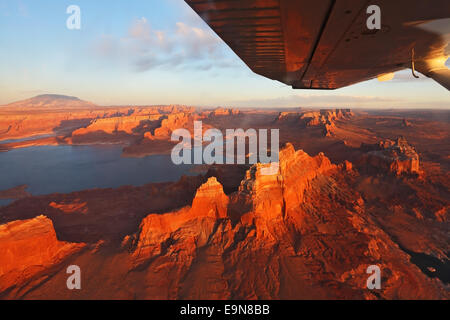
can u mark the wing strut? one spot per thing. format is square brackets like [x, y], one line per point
[412, 64]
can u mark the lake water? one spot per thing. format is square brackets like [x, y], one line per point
[4, 202]
[41, 136]
[63, 169]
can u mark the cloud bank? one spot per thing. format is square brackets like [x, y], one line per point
[336, 101]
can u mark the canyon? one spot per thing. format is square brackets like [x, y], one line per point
[354, 188]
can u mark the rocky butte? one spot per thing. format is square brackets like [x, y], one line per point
[396, 157]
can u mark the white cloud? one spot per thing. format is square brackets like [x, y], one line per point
[184, 46]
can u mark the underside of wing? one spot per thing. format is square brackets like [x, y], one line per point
[326, 44]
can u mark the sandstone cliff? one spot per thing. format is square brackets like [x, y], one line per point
[396, 157]
[29, 249]
[287, 235]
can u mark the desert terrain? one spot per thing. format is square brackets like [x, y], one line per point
[354, 188]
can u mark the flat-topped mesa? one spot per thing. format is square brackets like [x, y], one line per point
[323, 118]
[172, 109]
[30, 245]
[218, 112]
[224, 112]
[313, 118]
[166, 109]
[396, 157]
[158, 121]
[111, 125]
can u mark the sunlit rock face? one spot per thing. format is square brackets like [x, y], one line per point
[278, 236]
[193, 223]
[396, 157]
[29, 249]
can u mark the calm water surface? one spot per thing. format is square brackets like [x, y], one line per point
[49, 169]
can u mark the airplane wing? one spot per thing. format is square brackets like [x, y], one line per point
[325, 44]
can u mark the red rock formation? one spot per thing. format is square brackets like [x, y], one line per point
[210, 203]
[173, 122]
[148, 135]
[15, 192]
[406, 123]
[141, 124]
[58, 115]
[443, 215]
[286, 115]
[71, 207]
[279, 237]
[225, 112]
[116, 124]
[103, 214]
[396, 157]
[275, 197]
[29, 249]
[303, 232]
[309, 230]
[323, 118]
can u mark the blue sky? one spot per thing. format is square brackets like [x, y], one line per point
[158, 52]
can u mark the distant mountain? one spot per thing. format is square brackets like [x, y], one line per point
[49, 97]
[54, 101]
